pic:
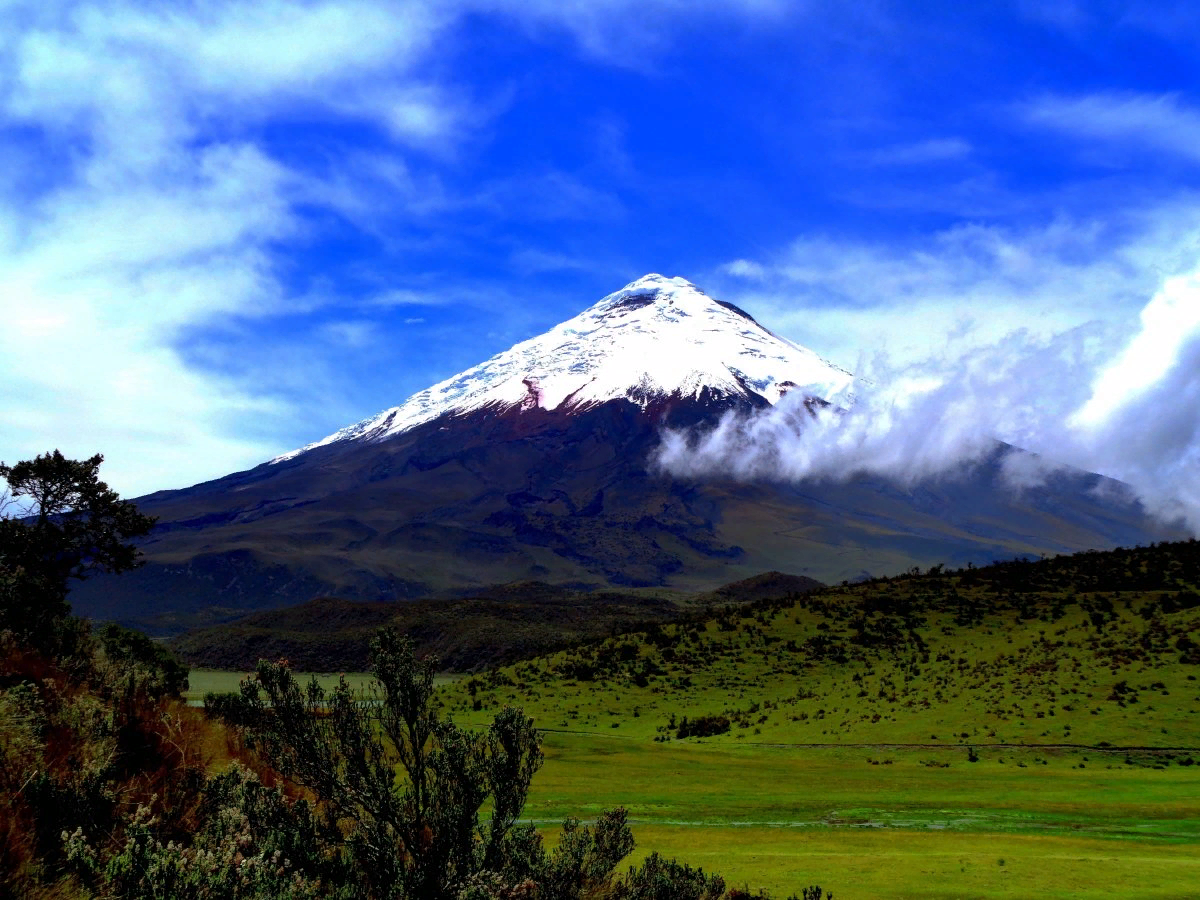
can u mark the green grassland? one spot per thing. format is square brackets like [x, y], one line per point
[892, 863]
[898, 738]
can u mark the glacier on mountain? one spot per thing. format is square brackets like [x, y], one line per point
[656, 337]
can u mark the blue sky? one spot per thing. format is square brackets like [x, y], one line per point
[228, 229]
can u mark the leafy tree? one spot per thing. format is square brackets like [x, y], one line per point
[133, 650]
[421, 836]
[71, 526]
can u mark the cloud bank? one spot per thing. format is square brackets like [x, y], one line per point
[1085, 397]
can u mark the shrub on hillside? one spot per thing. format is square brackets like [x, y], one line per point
[665, 879]
[702, 726]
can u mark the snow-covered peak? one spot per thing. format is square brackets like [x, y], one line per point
[655, 337]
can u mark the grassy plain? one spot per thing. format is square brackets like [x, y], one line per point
[905, 865]
[1011, 732]
[783, 817]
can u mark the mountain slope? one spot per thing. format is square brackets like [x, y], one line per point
[535, 466]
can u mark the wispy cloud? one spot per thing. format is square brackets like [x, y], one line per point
[1161, 122]
[351, 334]
[1064, 398]
[548, 196]
[744, 268]
[167, 212]
[530, 261]
[908, 423]
[974, 283]
[625, 31]
[919, 153]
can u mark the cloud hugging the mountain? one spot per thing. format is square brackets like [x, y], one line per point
[1071, 400]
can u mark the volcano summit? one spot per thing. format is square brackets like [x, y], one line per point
[655, 340]
[536, 465]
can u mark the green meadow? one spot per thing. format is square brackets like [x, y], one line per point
[1062, 824]
[989, 733]
[894, 863]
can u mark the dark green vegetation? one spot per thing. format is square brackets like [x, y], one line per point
[503, 624]
[464, 502]
[110, 786]
[426, 836]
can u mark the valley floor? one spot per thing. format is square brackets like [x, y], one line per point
[1029, 730]
[918, 823]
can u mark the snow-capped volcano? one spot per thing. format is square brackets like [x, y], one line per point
[657, 337]
[536, 466]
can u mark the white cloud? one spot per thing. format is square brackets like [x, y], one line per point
[532, 261]
[1160, 122]
[1170, 323]
[745, 268]
[972, 283]
[1141, 421]
[105, 64]
[938, 418]
[1120, 397]
[163, 215]
[910, 423]
[94, 297]
[351, 334]
[933, 150]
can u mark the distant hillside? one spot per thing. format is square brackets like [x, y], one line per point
[497, 626]
[1099, 649]
[767, 586]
